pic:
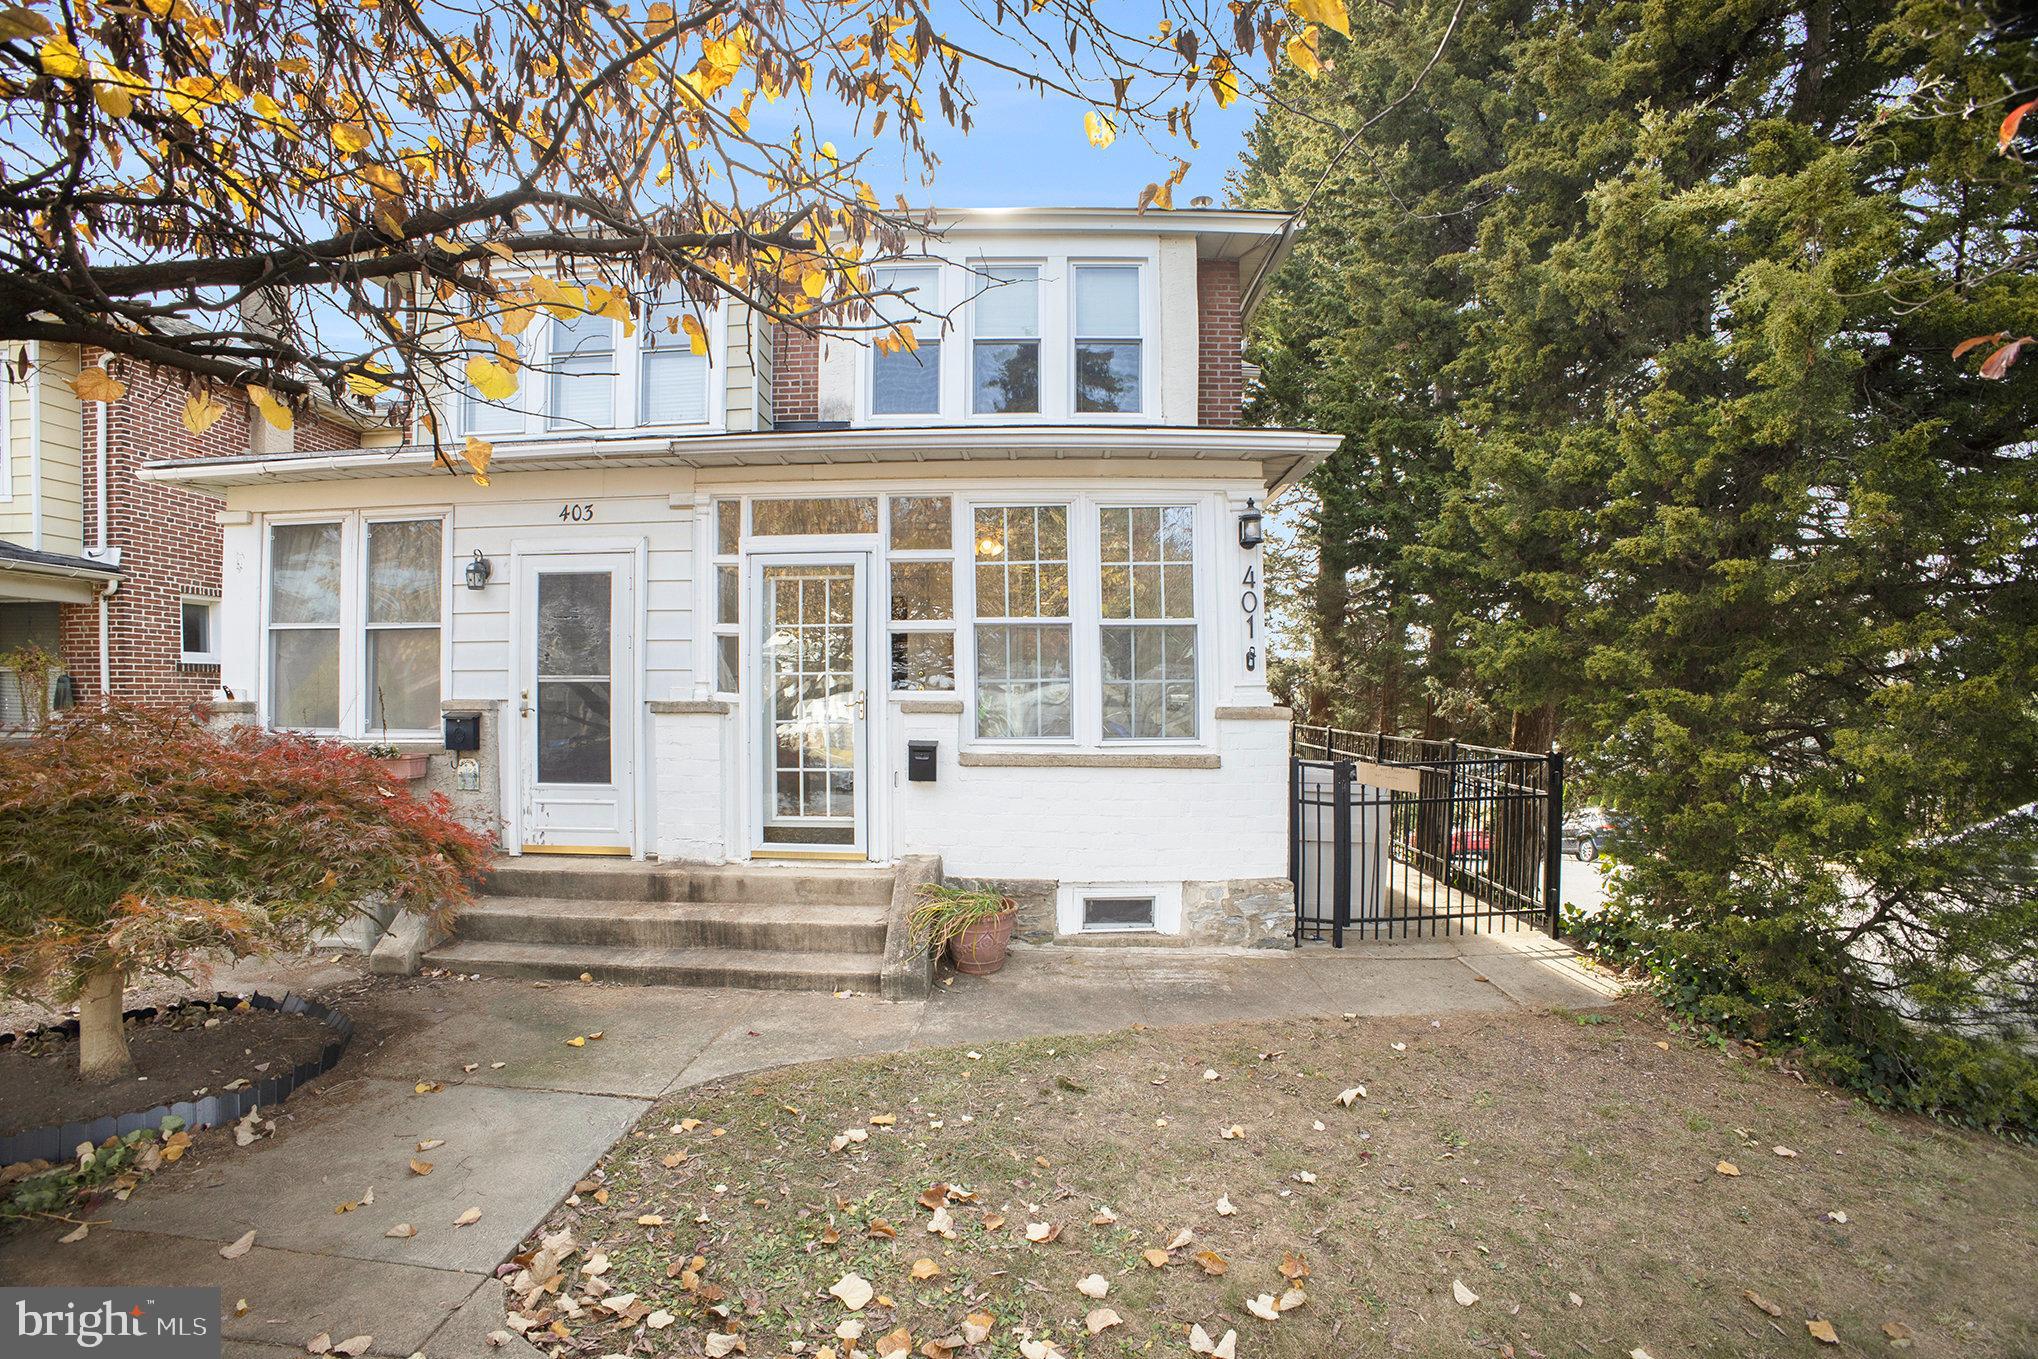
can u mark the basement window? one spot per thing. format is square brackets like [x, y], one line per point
[199, 641]
[1117, 913]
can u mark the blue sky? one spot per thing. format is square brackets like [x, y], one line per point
[1029, 150]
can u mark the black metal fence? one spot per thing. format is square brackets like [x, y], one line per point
[1399, 837]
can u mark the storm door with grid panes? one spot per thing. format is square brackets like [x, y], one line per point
[1147, 573]
[1023, 666]
[810, 669]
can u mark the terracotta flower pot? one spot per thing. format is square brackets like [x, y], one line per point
[406, 767]
[980, 949]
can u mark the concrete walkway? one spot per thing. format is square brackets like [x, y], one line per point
[534, 1114]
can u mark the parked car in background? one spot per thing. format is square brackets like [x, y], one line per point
[1591, 830]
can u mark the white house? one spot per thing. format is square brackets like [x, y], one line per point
[998, 600]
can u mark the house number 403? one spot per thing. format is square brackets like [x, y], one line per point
[577, 513]
[1249, 604]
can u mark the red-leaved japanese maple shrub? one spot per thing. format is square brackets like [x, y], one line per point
[138, 841]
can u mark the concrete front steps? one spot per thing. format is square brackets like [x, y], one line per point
[763, 928]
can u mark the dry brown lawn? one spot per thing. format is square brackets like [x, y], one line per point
[1566, 1169]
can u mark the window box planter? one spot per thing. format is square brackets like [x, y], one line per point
[405, 767]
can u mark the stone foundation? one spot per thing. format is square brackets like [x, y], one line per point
[1240, 913]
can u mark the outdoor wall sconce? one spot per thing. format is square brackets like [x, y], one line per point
[478, 571]
[1250, 531]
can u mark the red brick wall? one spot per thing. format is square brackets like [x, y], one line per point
[168, 537]
[1220, 347]
[795, 375]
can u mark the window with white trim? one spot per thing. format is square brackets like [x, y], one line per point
[484, 415]
[728, 616]
[920, 545]
[581, 367]
[356, 619]
[401, 642]
[198, 631]
[1005, 341]
[672, 380]
[1024, 672]
[905, 379]
[304, 626]
[1147, 578]
[1108, 342]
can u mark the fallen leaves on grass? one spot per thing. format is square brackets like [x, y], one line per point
[1093, 1286]
[1352, 1096]
[1293, 1266]
[1822, 1331]
[1231, 1134]
[1761, 1303]
[1156, 1257]
[1101, 1319]
[1041, 1233]
[1464, 1296]
[924, 1268]
[1211, 1262]
[1727, 1168]
[1225, 1348]
[1225, 1207]
[853, 1291]
[976, 1327]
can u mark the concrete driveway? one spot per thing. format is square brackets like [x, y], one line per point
[519, 1129]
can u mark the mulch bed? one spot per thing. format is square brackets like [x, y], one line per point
[179, 1054]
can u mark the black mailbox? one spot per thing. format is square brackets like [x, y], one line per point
[463, 731]
[920, 760]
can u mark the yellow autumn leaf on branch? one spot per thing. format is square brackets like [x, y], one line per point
[1330, 13]
[493, 380]
[94, 383]
[1099, 128]
[59, 58]
[113, 92]
[479, 452]
[694, 334]
[1223, 81]
[201, 412]
[1302, 51]
[273, 410]
[365, 385]
[350, 137]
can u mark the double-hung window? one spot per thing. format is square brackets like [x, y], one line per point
[401, 641]
[479, 414]
[1147, 573]
[1005, 341]
[355, 610]
[582, 367]
[906, 380]
[304, 626]
[672, 380]
[1024, 672]
[1108, 347]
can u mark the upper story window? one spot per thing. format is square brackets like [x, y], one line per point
[1107, 338]
[582, 370]
[586, 373]
[1005, 348]
[906, 380]
[672, 384]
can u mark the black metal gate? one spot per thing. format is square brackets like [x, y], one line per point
[1398, 837]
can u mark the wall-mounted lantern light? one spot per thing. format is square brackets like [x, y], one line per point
[1250, 532]
[478, 571]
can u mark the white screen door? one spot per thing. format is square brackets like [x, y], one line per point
[812, 661]
[576, 702]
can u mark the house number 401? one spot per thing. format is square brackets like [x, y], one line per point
[1249, 604]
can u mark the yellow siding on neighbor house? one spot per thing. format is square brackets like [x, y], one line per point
[63, 456]
[747, 390]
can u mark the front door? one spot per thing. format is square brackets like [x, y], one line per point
[812, 663]
[576, 702]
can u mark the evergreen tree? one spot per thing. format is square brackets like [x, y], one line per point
[1641, 320]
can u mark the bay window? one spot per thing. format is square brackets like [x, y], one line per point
[908, 381]
[1147, 579]
[1024, 671]
[582, 366]
[1107, 338]
[1005, 342]
[355, 625]
[922, 592]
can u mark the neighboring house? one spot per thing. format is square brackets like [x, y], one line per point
[803, 600]
[123, 588]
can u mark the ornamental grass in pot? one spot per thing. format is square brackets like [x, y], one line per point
[973, 923]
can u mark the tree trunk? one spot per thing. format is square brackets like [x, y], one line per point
[102, 1042]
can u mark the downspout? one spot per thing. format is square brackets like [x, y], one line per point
[99, 542]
